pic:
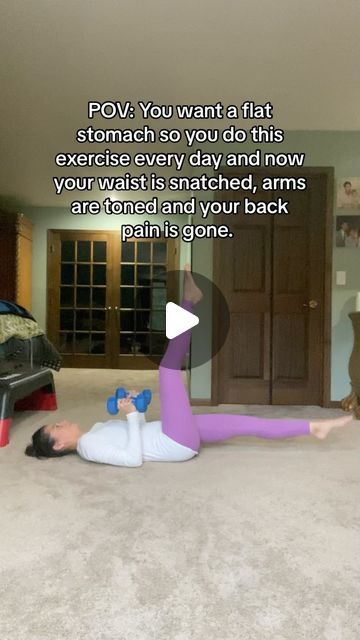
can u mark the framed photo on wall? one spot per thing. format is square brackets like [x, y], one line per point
[348, 193]
[348, 232]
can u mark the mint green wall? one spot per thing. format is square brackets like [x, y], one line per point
[327, 149]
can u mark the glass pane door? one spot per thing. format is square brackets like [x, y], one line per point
[106, 298]
[81, 316]
[142, 298]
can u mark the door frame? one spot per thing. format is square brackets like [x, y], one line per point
[328, 172]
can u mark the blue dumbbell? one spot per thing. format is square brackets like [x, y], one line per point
[120, 393]
[147, 395]
[111, 404]
[141, 401]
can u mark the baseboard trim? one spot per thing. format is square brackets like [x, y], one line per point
[335, 404]
[198, 402]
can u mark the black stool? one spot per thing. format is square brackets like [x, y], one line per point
[31, 388]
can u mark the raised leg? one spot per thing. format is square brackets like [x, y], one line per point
[176, 415]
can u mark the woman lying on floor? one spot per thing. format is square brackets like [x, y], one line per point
[179, 434]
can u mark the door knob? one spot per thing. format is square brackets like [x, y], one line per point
[312, 304]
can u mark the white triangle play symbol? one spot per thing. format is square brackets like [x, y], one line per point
[178, 320]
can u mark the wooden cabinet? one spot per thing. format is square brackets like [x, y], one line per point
[15, 258]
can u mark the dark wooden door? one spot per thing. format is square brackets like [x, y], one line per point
[242, 271]
[273, 275]
[298, 305]
[106, 298]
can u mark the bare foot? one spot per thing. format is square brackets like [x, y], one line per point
[321, 428]
[192, 293]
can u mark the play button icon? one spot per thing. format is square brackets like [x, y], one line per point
[160, 316]
[178, 320]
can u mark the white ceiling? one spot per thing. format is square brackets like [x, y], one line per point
[302, 55]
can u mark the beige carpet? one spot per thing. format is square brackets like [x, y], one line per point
[252, 540]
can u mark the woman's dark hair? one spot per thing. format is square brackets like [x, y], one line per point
[42, 446]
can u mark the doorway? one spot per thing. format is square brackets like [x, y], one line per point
[276, 276]
[106, 298]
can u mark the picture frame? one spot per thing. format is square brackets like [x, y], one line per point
[348, 193]
[347, 231]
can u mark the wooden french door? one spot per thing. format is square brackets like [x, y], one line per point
[275, 275]
[106, 298]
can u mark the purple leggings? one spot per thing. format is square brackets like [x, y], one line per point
[178, 422]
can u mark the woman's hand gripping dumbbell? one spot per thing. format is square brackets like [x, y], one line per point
[140, 401]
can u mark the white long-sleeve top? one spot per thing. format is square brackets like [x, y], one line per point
[127, 443]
